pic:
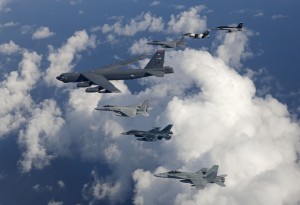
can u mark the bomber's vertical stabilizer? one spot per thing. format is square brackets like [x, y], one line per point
[157, 61]
[240, 26]
[167, 128]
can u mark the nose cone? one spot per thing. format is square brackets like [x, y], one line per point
[124, 133]
[60, 78]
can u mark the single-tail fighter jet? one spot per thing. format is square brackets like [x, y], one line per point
[152, 135]
[199, 179]
[168, 44]
[128, 111]
[100, 77]
[198, 35]
[230, 29]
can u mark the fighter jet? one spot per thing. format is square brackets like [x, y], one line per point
[168, 44]
[128, 111]
[100, 77]
[199, 179]
[230, 29]
[198, 35]
[152, 135]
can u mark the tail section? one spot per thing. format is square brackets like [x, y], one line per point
[144, 108]
[180, 42]
[220, 180]
[212, 173]
[167, 128]
[157, 61]
[241, 25]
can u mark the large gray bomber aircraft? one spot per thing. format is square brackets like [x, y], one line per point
[152, 135]
[168, 44]
[198, 179]
[128, 111]
[100, 77]
[230, 29]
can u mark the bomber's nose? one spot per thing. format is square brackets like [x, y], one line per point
[161, 175]
[124, 133]
[58, 78]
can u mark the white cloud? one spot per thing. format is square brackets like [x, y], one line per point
[140, 47]
[61, 184]
[97, 190]
[9, 24]
[14, 91]
[44, 123]
[61, 59]
[155, 3]
[41, 33]
[53, 202]
[3, 4]
[9, 48]
[278, 16]
[187, 21]
[143, 22]
[259, 13]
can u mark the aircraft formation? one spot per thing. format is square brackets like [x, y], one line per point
[100, 79]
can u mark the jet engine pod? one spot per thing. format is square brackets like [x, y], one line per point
[84, 84]
[168, 138]
[92, 90]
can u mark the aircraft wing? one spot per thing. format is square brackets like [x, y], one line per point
[101, 81]
[199, 183]
[124, 62]
[128, 113]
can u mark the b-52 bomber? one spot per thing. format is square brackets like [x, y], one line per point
[128, 111]
[198, 35]
[168, 44]
[100, 77]
[198, 179]
[230, 29]
[152, 135]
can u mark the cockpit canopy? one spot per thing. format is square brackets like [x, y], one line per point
[174, 172]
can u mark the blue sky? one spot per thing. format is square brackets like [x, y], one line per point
[232, 99]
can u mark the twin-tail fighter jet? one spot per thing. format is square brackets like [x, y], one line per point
[199, 179]
[230, 29]
[152, 135]
[198, 35]
[100, 77]
[168, 44]
[128, 111]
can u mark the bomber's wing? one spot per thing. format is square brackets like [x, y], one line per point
[124, 62]
[128, 112]
[199, 183]
[101, 81]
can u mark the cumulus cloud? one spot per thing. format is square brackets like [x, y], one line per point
[97, 190]
[9, 48]
[259, 13]
[187, 21]
[9, 24]
[278, 16]
[155, 3]
[143, 22]
[14, 91]
[3, 4]
[44, 123]
[61, 184]
[62, 58]
[53, 202]
[42, 32]
[140, 47]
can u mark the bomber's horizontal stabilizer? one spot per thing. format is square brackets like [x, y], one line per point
[156, 73]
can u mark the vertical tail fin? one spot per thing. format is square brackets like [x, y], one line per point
[144, 108]
[212, 173]
[180, 42]
[167, 128]
[157, 61]
[240, 25]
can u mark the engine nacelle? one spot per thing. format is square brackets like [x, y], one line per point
[92, 90]
[168, 138]
[84, 84]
